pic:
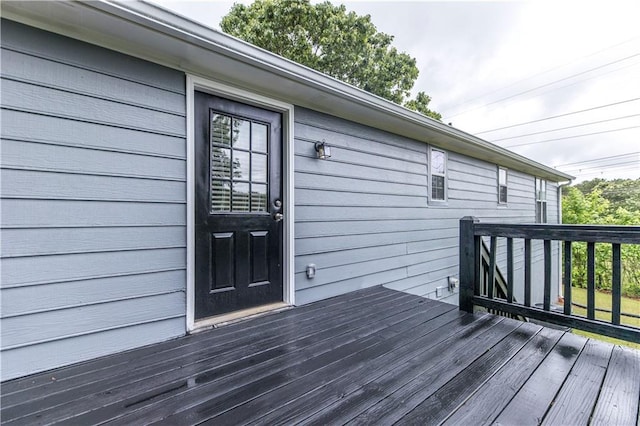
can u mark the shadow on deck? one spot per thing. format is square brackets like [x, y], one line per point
[375, 356]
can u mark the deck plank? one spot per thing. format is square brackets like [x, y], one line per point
[620, 394]
[445, 388]
[532, 401]
[389, 349]
[199, 406]
[577, 397]
[328, 393]
[217, 385]
[488, 400]
[382, 399]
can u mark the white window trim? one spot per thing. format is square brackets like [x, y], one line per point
[446, 177]
[506, 185]
[194, 83]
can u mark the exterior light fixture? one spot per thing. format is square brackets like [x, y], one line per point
[323, 150]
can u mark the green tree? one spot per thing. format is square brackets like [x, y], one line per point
[331, 40]
[594, 208]
[623, 193]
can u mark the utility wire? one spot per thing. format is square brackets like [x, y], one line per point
[568, 127]
[603, 166]
[545, 85]
[542, 73]
[597, 159]
[572, 137]
[558, 116]
[604, 171]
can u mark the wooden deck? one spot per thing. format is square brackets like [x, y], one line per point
[375, 356]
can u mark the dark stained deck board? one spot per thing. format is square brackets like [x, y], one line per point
[430, 398]
[263, 376]
[619, 397]
[333, 390]
[577, 397]
[488, 400]
[531, 402]
[374, 356]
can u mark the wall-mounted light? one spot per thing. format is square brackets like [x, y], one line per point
[323, 150]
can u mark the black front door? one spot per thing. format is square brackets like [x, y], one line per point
[238, 206]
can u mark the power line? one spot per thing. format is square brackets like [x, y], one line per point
[544, 72]
[545, 85]
[568, 127]
[603, 166]
[572, 137]
[604, 171]
[558, 116]
[597, 159]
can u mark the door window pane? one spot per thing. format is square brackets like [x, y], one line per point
[241, 133]
[220, 129]
[220, 196]
[258, 197]
[240, 165]
[258, 167]
[220, 162]
[258, 137]
[240, 197]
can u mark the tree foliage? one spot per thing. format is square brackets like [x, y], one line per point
[331, 40]
[593, 207]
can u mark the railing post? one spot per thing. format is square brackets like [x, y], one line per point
[469, 253]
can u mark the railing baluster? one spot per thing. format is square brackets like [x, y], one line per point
[591, 280]
[547, 275]
[492, 267]
[527, 272]
[616, 287]
[510, 270]
[567, 277]
[477, 241]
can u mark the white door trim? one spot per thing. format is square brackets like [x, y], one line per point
[194, 83]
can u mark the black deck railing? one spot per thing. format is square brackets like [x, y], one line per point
[471, 282]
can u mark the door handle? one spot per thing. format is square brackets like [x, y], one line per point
[278, 217]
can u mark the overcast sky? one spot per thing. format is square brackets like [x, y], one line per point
[489, 65]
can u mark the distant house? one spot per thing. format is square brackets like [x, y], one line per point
[159, 176]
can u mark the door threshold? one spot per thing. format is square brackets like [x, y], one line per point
[232, 317]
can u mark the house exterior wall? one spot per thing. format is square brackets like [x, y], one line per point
[93, 201]
[364, 218]
[93, 214]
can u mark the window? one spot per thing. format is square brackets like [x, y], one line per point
[541, 201]
[502, 185]
[438, 173]
[238, 162]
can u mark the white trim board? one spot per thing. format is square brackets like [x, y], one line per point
[194, 83]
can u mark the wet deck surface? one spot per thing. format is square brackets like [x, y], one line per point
[376, 356]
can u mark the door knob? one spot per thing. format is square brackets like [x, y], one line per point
[278, 216]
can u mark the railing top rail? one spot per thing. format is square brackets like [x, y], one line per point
[619, 234]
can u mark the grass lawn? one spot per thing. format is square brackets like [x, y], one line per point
[603, 301]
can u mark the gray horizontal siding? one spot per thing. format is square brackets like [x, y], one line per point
[92, 174]
[363, 217]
